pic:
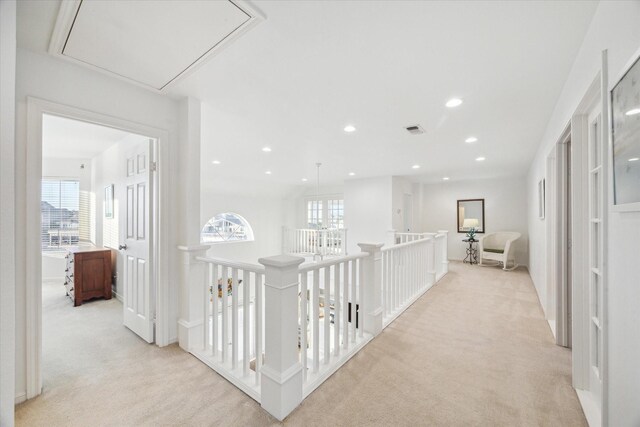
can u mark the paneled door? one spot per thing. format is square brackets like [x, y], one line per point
[138, 298]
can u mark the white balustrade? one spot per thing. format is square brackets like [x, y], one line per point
[308, 241]
[233, 329]
[279, 330]
[397, 238]
[411, 268]
[333, 313]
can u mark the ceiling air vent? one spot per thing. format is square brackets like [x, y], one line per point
[415, 130]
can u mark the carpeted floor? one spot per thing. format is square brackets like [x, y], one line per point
[473, 351]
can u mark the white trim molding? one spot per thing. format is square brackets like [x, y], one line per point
[69, 10]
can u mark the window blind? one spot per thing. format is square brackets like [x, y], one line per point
[60, 211]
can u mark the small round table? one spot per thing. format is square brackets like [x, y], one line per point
[472, 251]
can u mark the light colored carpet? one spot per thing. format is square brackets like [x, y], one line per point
[473, 351]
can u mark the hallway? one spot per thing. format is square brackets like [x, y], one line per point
[474, 350]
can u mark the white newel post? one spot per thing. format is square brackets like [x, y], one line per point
[431, 261]
[190, 324]
[391, 237]
[281, 379]
[445, 251]
[371, 285]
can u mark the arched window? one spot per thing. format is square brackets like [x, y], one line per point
[226, 227]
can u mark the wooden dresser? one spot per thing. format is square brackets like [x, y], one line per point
[88, 274]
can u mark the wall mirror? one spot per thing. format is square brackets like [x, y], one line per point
[471, 215]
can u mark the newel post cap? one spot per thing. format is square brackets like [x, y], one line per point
[281, 261]
[370, 247]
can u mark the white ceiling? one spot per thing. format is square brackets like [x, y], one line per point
[312, 67]
[149, 42]
[64, 138]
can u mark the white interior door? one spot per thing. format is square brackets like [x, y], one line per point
[138, 298]
[596, 211]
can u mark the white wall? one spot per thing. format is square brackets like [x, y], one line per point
[505, 207]
[615, 27]
[7, 210]
[400, 187]
[54, 80]
[264, 214]
[367, 211]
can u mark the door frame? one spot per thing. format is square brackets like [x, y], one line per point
[35, 109]
[596, 93]
[557, 193]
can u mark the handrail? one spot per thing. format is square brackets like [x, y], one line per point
[405, 244]
[304, 268]
[317, 229]
[254, 268]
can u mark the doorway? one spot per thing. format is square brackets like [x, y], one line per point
[110, 200]
[407, 217]
[96, 233]
[556, 189]
[589, 184]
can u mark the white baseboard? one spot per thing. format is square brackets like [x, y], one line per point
[118, 296]
[552, 326]
[590, 408]
[21, 397]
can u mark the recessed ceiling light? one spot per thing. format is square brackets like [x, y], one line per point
[349, 128]
[266, 149]
[268, 172]
[479, 159]
[633, 112]
[352, 173]
[471, 139]
[304, 179]
[216, 162]
[446, 178]
[634, 159]
[415, 167]
[454, 102]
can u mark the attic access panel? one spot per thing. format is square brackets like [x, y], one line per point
[149, 43]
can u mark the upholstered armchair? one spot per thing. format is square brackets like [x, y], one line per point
[498, 247]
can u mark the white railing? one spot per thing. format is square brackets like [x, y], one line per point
[399, 238]
[441, 254]
[278, 330]
[331, 320]
[233, 321]
[308, 241]
[407, 272]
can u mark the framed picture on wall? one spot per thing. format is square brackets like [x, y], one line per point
[108, 201]
[625, 138]
[541, 198]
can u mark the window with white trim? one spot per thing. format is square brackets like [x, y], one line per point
[325, 213]
[314, 214]
[60, 213]
[336, 213]
[226, 227]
